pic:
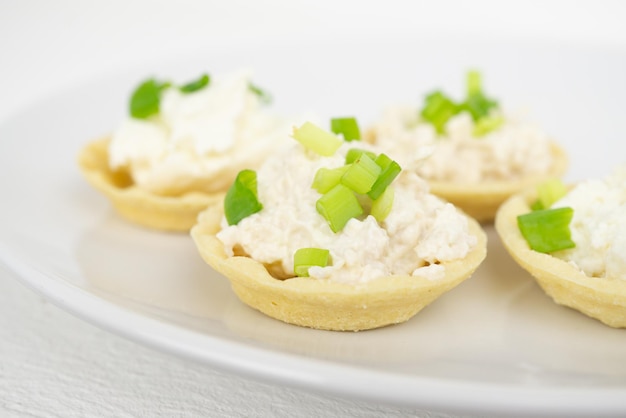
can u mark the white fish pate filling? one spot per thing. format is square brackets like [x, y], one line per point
[199, 140]
[512, 151]
[598, 226]
[420, 231]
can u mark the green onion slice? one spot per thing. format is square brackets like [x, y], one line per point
[196, 85]
[262, 94]
[549, 192]
[536, 205]
[547, 230]
[241, 199]
[327, 178]
[317, 139]
[473, 82]
[304, 258]
[354, 153]
[438, 109]
[361, 174]
[389, 171]
[381, 207]
[338, 206]
[487, 124]
[348, 127]
[145, 100]
[477, 104]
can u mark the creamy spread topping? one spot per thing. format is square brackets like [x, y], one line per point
[513, 150]
[598, 226]
[420, 232]
[199, 140]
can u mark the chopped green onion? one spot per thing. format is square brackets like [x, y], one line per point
[348, 127]
[389, 171]
[327, 178]
[473, 82]
[477, 104]
[241, 199]
[146, 98]
[549, 192]
[317, 139]
[361, 174]
[304, 258]
[381, 207]
[536, 205]
[438, 109]
[338, 206]
[263, 95]
[383, 161]
[248, 179]
[354, 153]
[196, 85]
[547, 230]
[487, 124]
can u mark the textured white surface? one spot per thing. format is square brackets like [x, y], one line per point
[53, 364]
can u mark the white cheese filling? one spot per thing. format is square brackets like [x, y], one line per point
[420, 232]
[598, 226]
[199, 140]
[512, 151]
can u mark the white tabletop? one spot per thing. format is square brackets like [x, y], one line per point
[54, 364]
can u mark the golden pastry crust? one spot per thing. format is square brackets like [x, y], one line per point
[169, 213]
[324, 304]
[599, 298]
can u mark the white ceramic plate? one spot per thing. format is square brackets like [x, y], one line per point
[494, 345]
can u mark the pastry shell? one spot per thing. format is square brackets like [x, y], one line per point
[600, 298]
[325, 304]
[169, 213]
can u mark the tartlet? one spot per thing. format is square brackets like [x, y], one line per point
[180, 147]
[601, 298]
[168, 213]
[385, 266]
[479, 155]
[327, 305]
